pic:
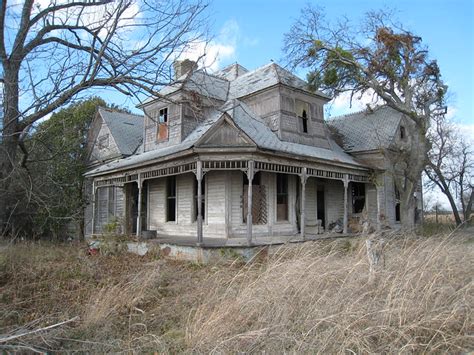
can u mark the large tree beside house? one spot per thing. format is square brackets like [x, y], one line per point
[54, 53]
[382, 59]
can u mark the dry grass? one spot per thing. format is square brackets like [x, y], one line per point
[309, 299]
[312, 297]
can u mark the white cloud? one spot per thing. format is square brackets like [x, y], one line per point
[341, 104]
[222, 48]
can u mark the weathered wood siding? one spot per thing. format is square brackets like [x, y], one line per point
[311, 207]
[101, 154]
[371, 203]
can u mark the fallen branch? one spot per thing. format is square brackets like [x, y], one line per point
[16, 336]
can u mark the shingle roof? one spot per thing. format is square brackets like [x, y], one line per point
[126, 129]
[251, 125]
[367, 130]
[264, 77]
[236, 81]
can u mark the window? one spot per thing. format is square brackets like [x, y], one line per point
[358, 197]
[304, 122]
[302, 112]
[162, 125]
[171, 199]
[282, 197]
[259, 200]
[402, 132]
[203, 198]
[397, 205]
[103, 141]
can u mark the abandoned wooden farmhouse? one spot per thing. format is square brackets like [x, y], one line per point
[243, 157]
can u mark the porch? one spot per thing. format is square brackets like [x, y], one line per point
[230, 202]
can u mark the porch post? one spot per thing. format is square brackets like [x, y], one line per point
[199, 202]
[250, 174]
[93, 206]
[139, 207]
[303, 202]
[379, 208]
[346, 209]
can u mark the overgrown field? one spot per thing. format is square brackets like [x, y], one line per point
[311, 297]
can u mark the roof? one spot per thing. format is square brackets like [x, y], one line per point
[235, 81]
[264, 77]
[251, 125]
[126, 129]
[367, 130]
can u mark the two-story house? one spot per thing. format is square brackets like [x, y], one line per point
[244, 157]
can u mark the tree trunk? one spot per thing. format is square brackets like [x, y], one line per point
[468, 211]
[8, 147]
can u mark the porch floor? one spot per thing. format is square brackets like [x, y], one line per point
[242, 242]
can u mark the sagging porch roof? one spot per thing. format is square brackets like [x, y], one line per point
[252, 126]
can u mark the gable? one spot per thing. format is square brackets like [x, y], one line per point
[103, 145]
[225, 134]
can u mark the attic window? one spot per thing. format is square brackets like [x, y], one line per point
[103, 141]
[162, 125]
[302, 112]
[402, 132]
[304, 122]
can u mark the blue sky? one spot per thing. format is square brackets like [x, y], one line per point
[251, 33]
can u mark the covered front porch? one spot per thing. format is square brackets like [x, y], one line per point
[227, 201]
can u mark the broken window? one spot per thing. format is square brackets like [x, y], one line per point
[171, 199]
[358, 197]
[282, 197]
[203, 198]
[162, 124]
[259, 200]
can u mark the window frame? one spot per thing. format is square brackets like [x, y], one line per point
[162, 124]
[282, 178]
[171, 187]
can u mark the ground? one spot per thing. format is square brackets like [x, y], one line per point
[309, 297]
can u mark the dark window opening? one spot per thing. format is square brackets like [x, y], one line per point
[402, 132]
[304, 121]
[282, 197]
[171, 199]
[203, 199]
[397, 204]
[358, 197]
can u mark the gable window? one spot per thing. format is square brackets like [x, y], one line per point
[203, 198]
[103, 141]
[171, 199]
[302, 111]
[162, 124]
[358, 197]
[282, 197]
[304, 121]
[402, 132]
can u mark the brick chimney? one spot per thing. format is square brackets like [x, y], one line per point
[182, 67]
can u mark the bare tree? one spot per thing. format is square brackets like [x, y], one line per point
[380, 58]
[451, 167]
[52, 54]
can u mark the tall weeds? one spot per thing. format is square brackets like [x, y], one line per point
[315, 298]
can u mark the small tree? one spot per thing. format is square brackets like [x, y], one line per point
[380, 58]
[451, 167]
